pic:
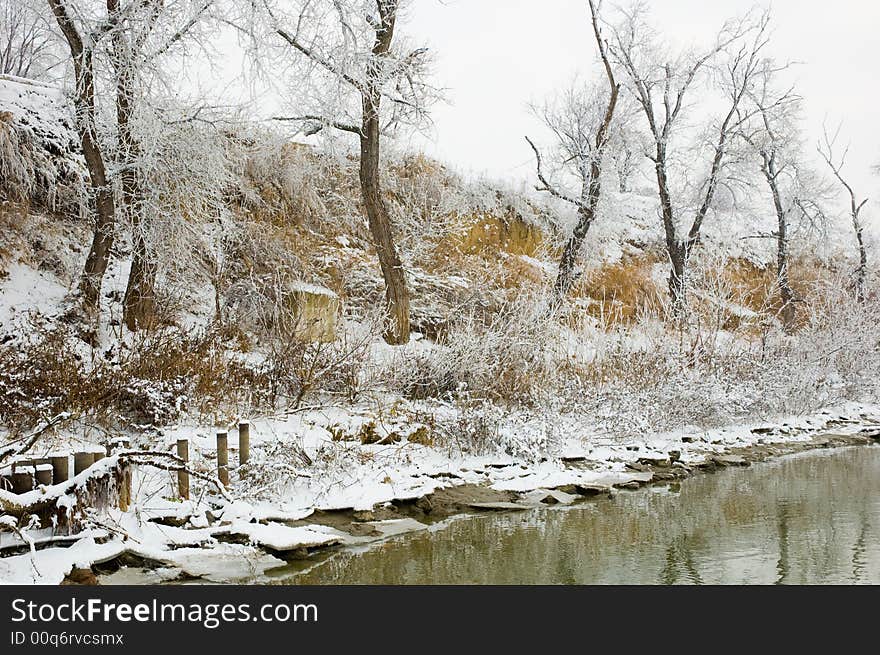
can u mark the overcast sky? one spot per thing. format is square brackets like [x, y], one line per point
[494, 56]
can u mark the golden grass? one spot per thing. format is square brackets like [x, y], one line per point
[621, 292]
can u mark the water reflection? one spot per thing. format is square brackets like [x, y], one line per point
[814, 518]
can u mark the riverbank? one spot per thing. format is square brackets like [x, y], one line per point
[805, 518]
[387, 489]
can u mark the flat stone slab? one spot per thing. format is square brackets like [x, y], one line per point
[731, 460]
[280, 537]
[540, 497]
[394, 527]
[500, 506]
[227, 563]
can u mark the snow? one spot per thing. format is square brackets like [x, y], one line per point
[281, 537]
[391, 472]
[24, 290]
[312, 289]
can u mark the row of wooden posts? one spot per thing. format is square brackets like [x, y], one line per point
[29, 473]
[244, 453]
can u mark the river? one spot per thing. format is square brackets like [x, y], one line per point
[808, 518]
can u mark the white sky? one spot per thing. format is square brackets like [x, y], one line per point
[495, 56]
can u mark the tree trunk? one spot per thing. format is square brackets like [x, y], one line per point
[139, 303]
[862, 270]
[567, 262]
[396, 292]
[786, 295]
[105, 211]
[677, 281]
[677, 250]
[591, 188]
[102, 239]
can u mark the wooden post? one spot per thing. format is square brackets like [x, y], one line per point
[223, 458]
[82, 461]
[183, 476]
[44, 474]
[60, 468]
[244, 447]
[22, 479]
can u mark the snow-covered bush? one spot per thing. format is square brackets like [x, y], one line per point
[500, 356]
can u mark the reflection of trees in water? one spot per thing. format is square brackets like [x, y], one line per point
[782, 562]
[679, 564]
[806, 519]
[859, 563]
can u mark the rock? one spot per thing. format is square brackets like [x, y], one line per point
[731, 460]
[80, 577]
[592, 489]
[498, 506]
[674, 456]
[394, 527]
[316, 309]
[549, 497]
[364, 515]
[657, 460]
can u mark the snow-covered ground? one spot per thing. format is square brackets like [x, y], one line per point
[193, 537]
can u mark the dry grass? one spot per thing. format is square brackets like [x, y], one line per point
[621, 293]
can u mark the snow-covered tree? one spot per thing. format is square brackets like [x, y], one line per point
[662, 83]
[835, 159]
[119, 50]
[581, 120]
[26, 40]
[770, 126]
[352, 73]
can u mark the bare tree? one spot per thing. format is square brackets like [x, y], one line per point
[350, 44]
[661, 84]
[627, 151]
[582, 126]
[129, 38]
[26, 42]
[770, 128]
[83, 38]
[826, 148]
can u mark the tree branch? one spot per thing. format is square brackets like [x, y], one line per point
[547, 186]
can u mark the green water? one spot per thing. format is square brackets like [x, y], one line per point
[811, 518]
